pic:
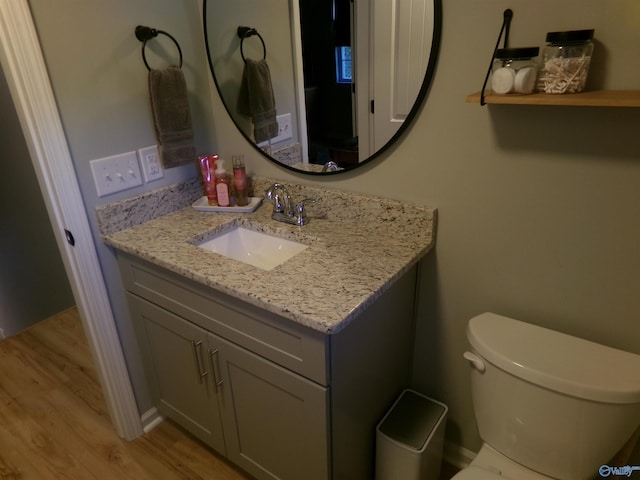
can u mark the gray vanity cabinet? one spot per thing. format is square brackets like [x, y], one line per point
[267, 420]
[278, 399]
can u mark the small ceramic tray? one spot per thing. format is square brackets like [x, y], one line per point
[202, 204]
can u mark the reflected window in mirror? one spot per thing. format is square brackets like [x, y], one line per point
[344, 72]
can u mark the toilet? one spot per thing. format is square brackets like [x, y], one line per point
[547, 405]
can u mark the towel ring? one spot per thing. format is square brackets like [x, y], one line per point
[145, 34]
[246, 32]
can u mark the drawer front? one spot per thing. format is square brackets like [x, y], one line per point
[290, 345]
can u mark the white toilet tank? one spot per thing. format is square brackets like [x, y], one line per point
[554, 403]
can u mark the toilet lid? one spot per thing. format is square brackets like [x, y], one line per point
[475, 473]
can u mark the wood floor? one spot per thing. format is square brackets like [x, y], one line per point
[54, 423]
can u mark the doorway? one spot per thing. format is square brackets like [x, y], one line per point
[28, 80]
[328, 81]
[33, 282]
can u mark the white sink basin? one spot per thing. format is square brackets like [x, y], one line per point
[255, 248]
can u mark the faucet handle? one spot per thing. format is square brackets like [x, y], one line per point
[300, 205]
[301, 216]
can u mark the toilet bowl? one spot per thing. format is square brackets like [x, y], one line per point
[490, 465]
[547, 404]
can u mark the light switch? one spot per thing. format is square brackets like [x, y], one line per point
[116, 173]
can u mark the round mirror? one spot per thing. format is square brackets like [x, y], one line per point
[322, 86]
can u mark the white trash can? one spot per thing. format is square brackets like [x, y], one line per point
[410, 439]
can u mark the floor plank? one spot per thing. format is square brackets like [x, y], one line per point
[54, 423]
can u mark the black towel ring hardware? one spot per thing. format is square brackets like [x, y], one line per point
[145, 34]
[246, 32]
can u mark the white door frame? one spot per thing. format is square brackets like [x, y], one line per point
[298, 74]
[26, 73]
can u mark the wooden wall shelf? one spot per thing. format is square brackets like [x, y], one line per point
[597, 98]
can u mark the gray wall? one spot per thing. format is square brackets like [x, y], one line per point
[538, 206]
[33, 282]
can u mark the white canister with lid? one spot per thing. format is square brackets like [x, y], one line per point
[514, 70]
[565, 61]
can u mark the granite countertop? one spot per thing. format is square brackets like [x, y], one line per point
[358, 246]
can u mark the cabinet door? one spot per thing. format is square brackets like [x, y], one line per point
[275, 421]
[175, 356]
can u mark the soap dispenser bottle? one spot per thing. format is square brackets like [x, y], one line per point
[240, 181]
[222, 185]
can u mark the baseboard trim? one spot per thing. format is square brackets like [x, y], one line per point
[453, 453]
[457, 456]
[151, 419]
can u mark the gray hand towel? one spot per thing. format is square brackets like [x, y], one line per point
[172, 117]
[256, 99]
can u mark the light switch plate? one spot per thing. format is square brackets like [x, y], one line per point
[116, 173]
[284, 128]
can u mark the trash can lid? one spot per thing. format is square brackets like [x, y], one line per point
[412, 419]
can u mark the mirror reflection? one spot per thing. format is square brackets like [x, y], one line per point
[322, 85]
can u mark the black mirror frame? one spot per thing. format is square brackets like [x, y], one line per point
[424, 89]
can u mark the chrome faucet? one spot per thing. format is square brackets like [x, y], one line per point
[283, 210]
[330, 166]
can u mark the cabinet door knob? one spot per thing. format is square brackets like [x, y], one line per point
[197, 355]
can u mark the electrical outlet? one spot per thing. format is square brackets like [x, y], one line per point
[116, 173]
[284, 128]
[150, 161]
